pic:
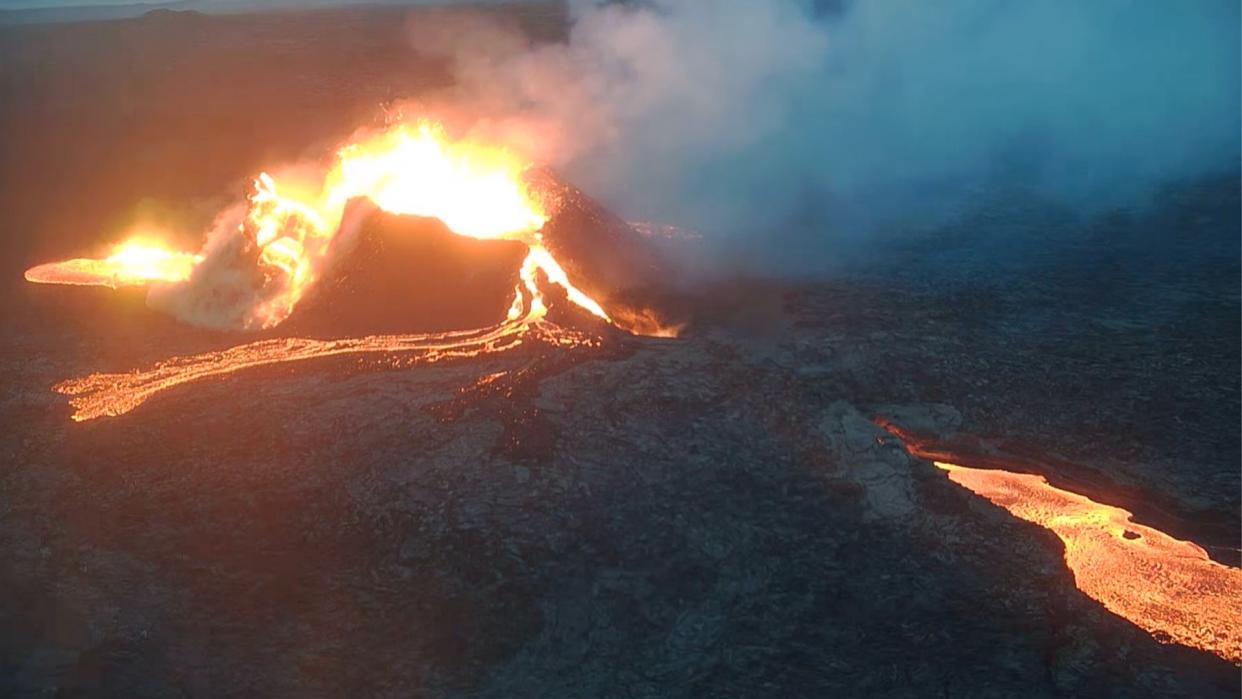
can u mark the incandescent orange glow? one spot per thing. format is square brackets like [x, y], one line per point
[414, 169]
[285, 239]
[101, 395]
[475, 189]
[132, 263]
[1168, 587]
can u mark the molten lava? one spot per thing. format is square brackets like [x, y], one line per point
[101, 395]
[131, 263]
[1168, 587]
[477, 190]
[285, 237]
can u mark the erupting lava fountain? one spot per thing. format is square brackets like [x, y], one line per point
[282, 245]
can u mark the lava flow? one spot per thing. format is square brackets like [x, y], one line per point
[1168, 587]
[101, 395]
[131, 263]
[280, 248]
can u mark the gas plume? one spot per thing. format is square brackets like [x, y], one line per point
[748, 120]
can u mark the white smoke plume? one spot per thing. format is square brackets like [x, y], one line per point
[229, 289]
[781, 128]
[221, 290]
[738, 117]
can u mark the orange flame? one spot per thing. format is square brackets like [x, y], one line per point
[134, 262]
[476, 190]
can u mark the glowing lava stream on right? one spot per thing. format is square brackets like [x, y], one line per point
[1168, 587]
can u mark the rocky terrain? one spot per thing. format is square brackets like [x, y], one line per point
[705, 516]
[716, 515]
[713, 515]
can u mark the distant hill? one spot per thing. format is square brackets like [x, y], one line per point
[90, 13]
[87, 13]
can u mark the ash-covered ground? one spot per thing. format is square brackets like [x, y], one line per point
[715, 515]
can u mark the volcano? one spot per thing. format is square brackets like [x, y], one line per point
[262, 258]
[415, 247]
[403, 274]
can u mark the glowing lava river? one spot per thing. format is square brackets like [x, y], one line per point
[106, 395]
[1168, 587]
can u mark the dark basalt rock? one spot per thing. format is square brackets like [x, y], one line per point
[403, 274]
[607, 258]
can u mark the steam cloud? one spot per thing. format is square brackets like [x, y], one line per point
[784, 129]
[747, 119]
[226, 287]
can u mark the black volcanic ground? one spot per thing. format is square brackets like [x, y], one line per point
[712, 516]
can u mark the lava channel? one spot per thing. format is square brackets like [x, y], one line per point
[1168, 587]
[109, 395]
